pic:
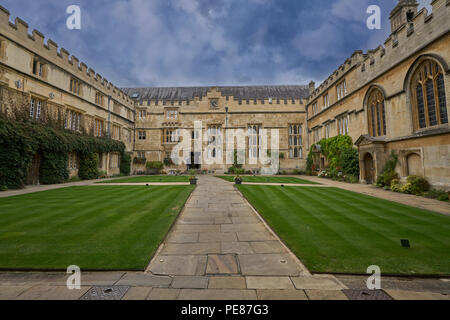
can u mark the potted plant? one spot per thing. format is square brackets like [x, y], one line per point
[192, 177]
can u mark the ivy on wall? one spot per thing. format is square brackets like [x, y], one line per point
[340, 155]
[20, 141]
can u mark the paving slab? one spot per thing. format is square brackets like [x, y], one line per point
[190, 248]
[281, 295]
[268, 265]
[137, 293]
[100, 278]
[248, 227]
[194, 228]
[217, 237]
[318, 282]
[217, 294]
[269, 283]
[33, 278]
[12, 292]
[227, 282]
[180, 237]
[222, 264]
[144, 280]
[268, 247]
[414, 295]
[236, 247]
[190, 282]
[325, 295]
[164, 294]
[245, 220]
[177, 265]
[196, 221]
[255, 236]
[222, 220]
[52, 293]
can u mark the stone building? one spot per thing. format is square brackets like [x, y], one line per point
[394, 98]
[40, 80]
[162, 112]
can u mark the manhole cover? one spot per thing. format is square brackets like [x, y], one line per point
[105, 293]
[366, 294]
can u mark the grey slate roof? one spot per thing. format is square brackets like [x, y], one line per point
[239, 93]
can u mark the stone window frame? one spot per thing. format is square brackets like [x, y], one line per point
[254, 132]
[326, 100]
[3, 48]
[39, 67]
[214, 141]
[171, 114]
[341, 89]
[142, 135]
[116, 132]
[99, 127]
[376, 113]
[36, 108]
[343, 124]
[69, 116]
[75, 86]
[73, 161]
[295, 141]
[99, 98]
[170, 136]
[428, 70]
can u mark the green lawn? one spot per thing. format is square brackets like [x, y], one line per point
[268, 179]
[333, 230]
[94, 227]
[149, 179]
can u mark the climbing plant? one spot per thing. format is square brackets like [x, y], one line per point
[20, 141]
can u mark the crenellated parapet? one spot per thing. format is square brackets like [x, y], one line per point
[422, 29]
[18, 32]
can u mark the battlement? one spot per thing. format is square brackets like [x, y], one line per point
[50, 51]
[423, 29]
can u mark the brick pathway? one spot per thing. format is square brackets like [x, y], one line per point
[219, 248]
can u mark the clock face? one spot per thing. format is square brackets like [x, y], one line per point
[214, 103]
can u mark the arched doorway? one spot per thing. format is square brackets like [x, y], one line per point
[369, 169]
[414, 165]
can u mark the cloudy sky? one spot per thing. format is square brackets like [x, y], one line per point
[136, 43]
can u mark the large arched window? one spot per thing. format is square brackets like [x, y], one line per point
[428, 95]
[376, 113]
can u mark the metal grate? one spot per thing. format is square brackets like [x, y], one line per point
[105, 293]
[366, 294]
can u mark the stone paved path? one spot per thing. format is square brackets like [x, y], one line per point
[219, 248]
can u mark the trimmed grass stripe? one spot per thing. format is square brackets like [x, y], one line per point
[334, 230]
[269, 179]
[148, 179]
[93, 227]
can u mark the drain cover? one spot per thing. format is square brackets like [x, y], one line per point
[105, 293]
[366, 294]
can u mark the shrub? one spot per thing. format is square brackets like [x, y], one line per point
[388, 176]
[435, 194]
[396, 186]
[418, 184]
[125, 164]
[386, 188]
[407, 188]
[88, 166]
[155, 165]
[75, 179]
[3, 188]
[443, 197]
[102, 175]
